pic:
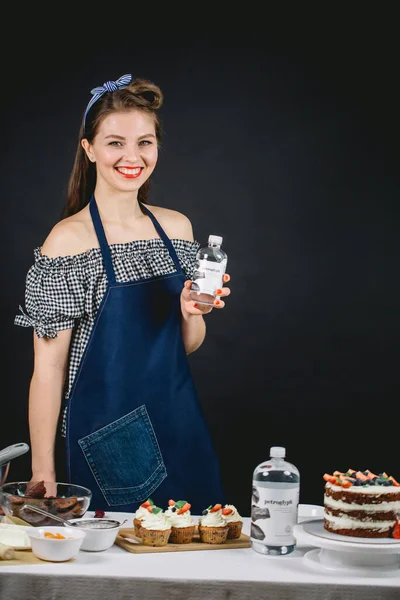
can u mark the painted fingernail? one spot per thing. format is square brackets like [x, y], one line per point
[219, 292]
[195, 304]
[217, 302]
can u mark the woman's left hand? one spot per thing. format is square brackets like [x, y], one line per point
[189, 307]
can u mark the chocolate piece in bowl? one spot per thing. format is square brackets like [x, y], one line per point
[65, 504]
[67, 501]
[35, 490]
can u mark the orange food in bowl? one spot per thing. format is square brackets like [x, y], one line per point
[56, 536]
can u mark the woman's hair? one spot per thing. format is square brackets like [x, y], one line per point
[139, 95]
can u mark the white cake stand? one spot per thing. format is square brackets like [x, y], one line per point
[357, 556]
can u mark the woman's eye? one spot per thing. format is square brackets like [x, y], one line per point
[144, 142]
[114, 143]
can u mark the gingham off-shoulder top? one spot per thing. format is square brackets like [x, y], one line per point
[65, 292]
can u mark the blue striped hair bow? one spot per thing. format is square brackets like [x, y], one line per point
[108, 86]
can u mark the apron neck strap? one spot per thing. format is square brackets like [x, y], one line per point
[164, 238]
[101, 236]
[105, 248]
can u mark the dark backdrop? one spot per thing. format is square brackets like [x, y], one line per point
[287, 150]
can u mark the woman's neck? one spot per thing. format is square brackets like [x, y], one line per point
[118, 208]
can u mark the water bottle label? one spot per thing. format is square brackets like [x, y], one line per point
[208, 276]
[274, 512]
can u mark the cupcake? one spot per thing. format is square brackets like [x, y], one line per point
[141, 512]
[182, 522]
[155, 528]
[213, 528]
[233, 520]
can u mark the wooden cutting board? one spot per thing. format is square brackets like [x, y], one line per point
[25, 557]
[126, 539]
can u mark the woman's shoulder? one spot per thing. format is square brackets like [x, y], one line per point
[175, 224]
[70, 236]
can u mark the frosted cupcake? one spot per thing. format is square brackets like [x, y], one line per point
[141, 512]
[213, 528]
[155, 528]
[234, 521]
[182, 522]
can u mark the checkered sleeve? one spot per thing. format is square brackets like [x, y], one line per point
[54, 295]
[186, 252]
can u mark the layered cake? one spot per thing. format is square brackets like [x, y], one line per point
[362, 504]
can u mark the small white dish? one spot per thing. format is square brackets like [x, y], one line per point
[101, 533]
[310, 511]
[56, 550]
[15, 536]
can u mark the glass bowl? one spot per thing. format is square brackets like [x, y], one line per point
[65, 500]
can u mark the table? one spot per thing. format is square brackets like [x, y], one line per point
[239, 574]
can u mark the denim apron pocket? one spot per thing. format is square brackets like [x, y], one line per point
[125, 458]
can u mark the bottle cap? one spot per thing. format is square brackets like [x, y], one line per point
[215, 239]
[277, 452]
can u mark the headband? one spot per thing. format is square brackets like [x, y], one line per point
[108, 86]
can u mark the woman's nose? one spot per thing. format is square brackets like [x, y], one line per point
[131, 153]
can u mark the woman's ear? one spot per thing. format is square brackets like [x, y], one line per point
[88, 149]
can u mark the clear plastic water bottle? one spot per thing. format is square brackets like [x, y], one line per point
[274, 505]
[208, 274]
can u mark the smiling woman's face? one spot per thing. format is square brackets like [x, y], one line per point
[124, 150]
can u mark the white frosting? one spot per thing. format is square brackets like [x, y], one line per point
[169, 512]
[213, 519]
[346, 506]
[375, 490]
[183, 520]
[141, 512]
[348, 523]
[234, 516]
[156, 522]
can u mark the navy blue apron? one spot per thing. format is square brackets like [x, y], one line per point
[135, 428]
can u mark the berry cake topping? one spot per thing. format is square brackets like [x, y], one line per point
[360, 478]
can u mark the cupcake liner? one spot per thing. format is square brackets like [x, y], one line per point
[181, 535]
[155, 537]
[213, 535]
[137, 523]
[235, 530]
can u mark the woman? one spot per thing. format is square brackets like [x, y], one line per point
[108, 297]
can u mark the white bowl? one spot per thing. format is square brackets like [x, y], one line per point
[56, 550]
[100, 533]
[310, 511]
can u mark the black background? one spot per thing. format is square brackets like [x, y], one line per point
[288, 148]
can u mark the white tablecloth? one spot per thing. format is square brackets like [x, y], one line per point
[239, 574]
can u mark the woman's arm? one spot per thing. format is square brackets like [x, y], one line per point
[45, 394]
[193, 326]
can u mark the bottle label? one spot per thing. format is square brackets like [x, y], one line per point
[208, 276]
[274, 512]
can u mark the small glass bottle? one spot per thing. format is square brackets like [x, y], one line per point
[274, 505]
[208, 274]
